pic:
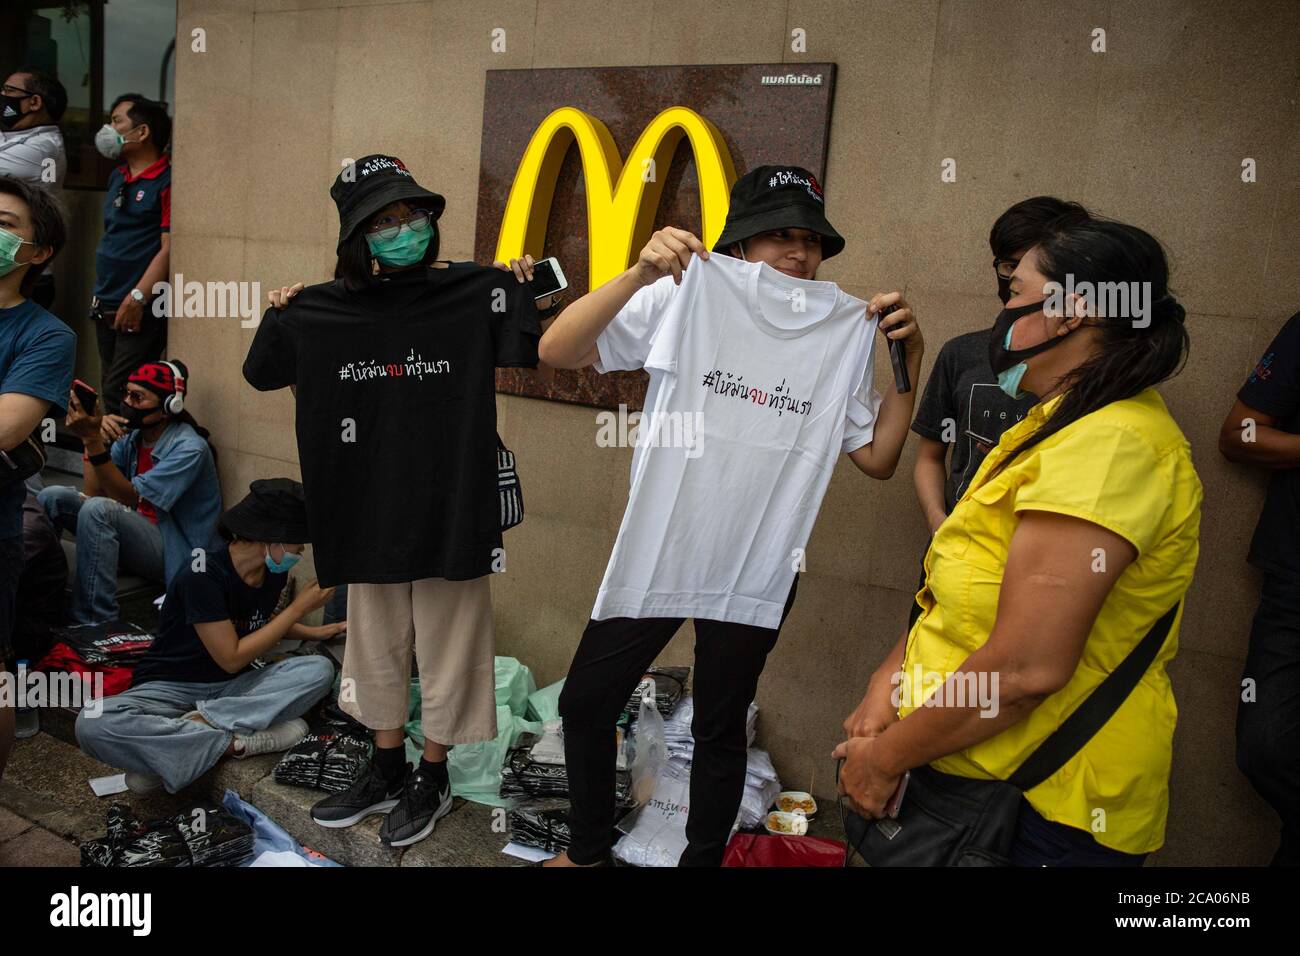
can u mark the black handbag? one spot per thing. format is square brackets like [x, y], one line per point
[947, 820]
[23, 461]
[512, 495]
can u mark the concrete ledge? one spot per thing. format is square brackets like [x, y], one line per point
[464, 837]
[291, 808]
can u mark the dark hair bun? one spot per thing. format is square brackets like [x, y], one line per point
[1167, 307]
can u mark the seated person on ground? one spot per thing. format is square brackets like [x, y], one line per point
[148, 501]
[194, 697]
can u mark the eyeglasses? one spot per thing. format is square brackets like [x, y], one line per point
[387, 227]
[10, 90]
[133, 397]
[1005, 268]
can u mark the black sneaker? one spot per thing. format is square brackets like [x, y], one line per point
[421, 806]
[370, 793]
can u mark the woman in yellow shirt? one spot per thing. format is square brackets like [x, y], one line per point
[1076, 535]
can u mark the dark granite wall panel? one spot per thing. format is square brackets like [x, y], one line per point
[761, 123]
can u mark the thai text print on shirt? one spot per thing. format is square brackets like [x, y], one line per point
[758, 382]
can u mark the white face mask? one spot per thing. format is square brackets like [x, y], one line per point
[109, 142]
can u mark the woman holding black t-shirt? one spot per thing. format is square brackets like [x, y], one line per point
[195, 697]
[393, 370]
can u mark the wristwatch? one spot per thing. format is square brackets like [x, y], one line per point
[138, 296]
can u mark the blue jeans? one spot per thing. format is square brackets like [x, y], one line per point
[109, 535]
[1043, 842]
[144, 728]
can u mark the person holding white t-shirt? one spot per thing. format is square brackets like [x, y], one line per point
[760, 377]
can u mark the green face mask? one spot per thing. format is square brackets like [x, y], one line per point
[9, 246]
[404, 249]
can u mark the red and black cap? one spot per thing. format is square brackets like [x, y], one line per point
[777, 197]
[371, 183]
[159, 378]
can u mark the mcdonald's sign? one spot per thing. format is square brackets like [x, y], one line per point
[622, 198]
[585, 163]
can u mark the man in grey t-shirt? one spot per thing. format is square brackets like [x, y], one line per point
[962, 406]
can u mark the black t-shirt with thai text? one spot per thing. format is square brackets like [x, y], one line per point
[396, 416]
[1273, 387]
[962, 398]
[216, 593]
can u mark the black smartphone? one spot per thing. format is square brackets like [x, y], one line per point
[87, 397]
[548, 278]
[898, 356]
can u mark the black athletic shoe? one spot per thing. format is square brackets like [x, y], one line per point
[421, 806]
[371, 793]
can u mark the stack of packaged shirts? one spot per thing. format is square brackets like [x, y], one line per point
[205, 835]
[523, 777]
[677, 728]
[549, 747]
[669, 688]
[541, 823]
[332, 755]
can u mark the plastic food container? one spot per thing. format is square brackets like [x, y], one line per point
[780, 823]
[788, 801]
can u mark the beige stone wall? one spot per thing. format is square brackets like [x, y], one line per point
[1152, 131]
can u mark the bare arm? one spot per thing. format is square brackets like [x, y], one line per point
[1270, 447]
[1049, 600]
[570, 341]
[930, 475]
[19, 416]
[879, 457]
[323, 632]
[878, 709]
[106, 478]
[233, 653]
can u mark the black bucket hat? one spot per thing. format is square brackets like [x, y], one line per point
[371, 183]
[274, 511]
[777, 197]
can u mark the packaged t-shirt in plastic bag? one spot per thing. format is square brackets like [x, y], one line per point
[205, 835]
[541, 823]
[655, 832]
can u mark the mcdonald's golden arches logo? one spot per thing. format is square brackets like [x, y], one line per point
[622, 198]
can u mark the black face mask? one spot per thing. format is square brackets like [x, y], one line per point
[1002, 358]
[135, 417]
[1004, 289]
[11, 111]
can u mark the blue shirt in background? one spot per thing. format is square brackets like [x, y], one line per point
[37, 353]
[182, 485]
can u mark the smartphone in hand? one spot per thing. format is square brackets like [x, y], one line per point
[548, 278]
[87, 397]
[898, 356]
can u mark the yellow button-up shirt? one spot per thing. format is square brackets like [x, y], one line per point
[1128, 468]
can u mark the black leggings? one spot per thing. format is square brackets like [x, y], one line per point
[611, 660]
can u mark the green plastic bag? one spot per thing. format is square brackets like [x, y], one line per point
[514, 684]
[544, 705]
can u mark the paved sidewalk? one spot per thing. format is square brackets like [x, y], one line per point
[23, 843]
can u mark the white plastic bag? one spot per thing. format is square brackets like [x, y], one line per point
[650, 747]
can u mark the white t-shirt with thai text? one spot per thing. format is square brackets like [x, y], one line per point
[758, 382]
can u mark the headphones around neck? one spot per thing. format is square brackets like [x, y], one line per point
[174, 403]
